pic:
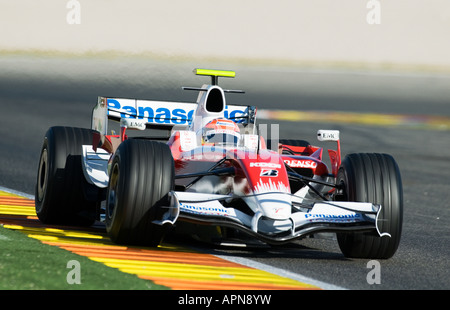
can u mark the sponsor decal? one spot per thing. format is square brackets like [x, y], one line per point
[157, 112]
[334, 217]
[269, 173]
[199, 209]
[329, 135]
[159, 115]
[187, 140]
[223, 131]
[132, 123]
[294, 163]
[265, 165]
[228, 124]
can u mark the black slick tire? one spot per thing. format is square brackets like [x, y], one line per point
[372, 178]
[141, 177]
[61, 188]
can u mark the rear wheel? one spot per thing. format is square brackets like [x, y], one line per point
[372, 178]
[141, 178]
[61, 188]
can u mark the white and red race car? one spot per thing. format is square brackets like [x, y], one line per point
[214, 168]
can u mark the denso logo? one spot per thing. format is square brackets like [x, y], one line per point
[293, 163]
[265, 165]
[163, 115]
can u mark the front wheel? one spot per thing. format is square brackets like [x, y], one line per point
[140, 182]
[372, 178]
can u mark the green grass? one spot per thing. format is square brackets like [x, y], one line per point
[28, 264]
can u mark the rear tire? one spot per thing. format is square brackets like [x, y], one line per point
[372, 178]
[141, 177]
[61, 188]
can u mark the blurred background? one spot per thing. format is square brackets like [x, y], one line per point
[409, 33]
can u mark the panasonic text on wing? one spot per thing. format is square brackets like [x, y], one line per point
[162, 115]
[159, 115]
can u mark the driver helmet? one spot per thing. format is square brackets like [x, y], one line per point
[221, 132]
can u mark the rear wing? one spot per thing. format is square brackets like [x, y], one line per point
[158, 114]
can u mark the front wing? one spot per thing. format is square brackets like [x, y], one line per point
[323, 216]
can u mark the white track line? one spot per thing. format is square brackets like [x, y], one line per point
[12, 191]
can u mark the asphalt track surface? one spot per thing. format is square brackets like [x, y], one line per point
[39, 92]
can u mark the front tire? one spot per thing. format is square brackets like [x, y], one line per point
[372, 178]
[141, 178]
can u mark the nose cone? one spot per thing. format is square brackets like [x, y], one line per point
[276, 206]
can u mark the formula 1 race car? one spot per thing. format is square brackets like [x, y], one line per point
[213, 168]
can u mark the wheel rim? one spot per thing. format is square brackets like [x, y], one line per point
[42, 176]
[112, 192]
